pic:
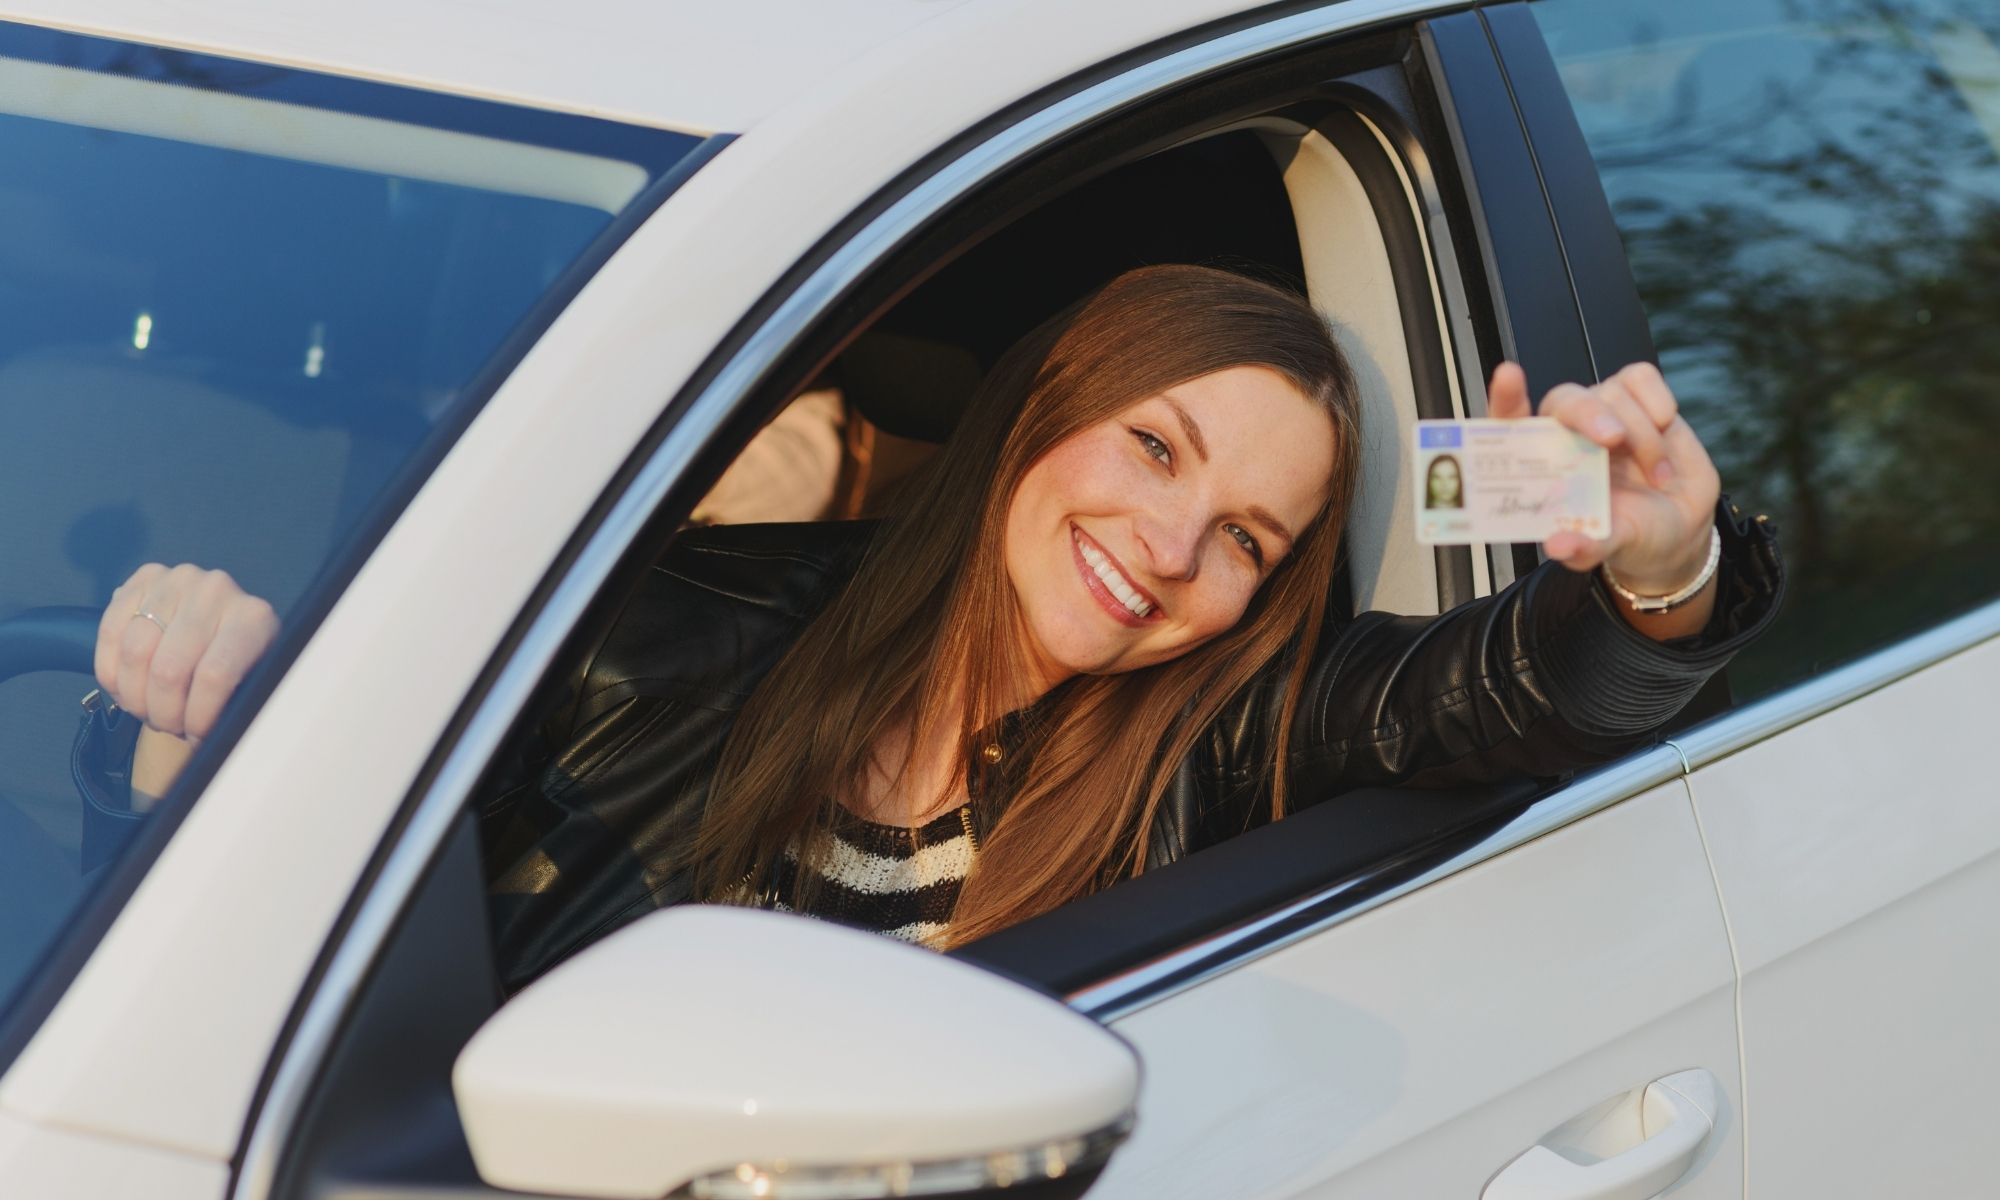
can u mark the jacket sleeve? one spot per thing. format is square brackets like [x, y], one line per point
[587, 828]
[1540, 678]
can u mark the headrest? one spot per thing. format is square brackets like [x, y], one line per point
[915, 370]
[911, 387]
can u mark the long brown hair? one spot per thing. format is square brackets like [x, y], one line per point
[930, 606]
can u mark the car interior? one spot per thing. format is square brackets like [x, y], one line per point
[1271, 198]
[1314, 202]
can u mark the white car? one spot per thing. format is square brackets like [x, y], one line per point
[432, 322]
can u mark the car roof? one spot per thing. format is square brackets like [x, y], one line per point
[676, 64]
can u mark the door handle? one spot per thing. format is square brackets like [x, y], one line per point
[1677, 1114]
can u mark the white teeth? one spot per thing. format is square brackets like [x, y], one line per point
[1113, 581]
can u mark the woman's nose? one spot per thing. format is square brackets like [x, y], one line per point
[1173, 544]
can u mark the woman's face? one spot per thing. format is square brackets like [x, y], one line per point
[1444, 482]
[1143, 536]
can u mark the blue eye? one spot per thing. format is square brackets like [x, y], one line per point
[1153, 445]
[1247, 540]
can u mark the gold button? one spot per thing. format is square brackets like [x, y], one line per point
[1761, 518]
[992, 753]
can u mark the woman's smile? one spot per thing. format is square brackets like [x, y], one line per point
[1105, 579]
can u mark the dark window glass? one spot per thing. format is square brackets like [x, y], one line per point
[242, 309]
[1810, 194]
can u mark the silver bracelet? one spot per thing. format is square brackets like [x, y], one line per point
[1674, 599]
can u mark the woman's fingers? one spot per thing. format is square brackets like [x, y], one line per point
[1685, 448]
[1663, 482]
[1507, 393]
[111, 626]
[1642, 439]
[152, 611]
[172, 670]
[1647, 386]
[1614, 417]
[1575, 551]
[1629, 410]
[173, 645]
[135, 658]
[247, 628]
[167, 674]
[1585, 410]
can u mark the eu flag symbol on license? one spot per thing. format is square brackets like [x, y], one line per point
[1439, 437]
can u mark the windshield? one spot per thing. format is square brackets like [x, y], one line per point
[243, 310]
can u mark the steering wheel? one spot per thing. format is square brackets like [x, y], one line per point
[57, 638]
[64, 638]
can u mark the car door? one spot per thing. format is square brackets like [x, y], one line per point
[1820, 279]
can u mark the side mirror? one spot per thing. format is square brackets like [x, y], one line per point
[727, 1052]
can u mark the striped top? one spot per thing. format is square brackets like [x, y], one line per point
[887, 878]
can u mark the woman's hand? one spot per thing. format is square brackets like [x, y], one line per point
[1663, 486]
[172, 647]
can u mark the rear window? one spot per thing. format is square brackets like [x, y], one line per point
[243, 312]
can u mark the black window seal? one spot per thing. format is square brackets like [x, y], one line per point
[1515, 249]
[1616, 331]
[1612, 316]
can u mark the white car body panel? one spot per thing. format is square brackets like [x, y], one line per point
[39, 1163]
[701, 68]
[673, 64]
[1417, 1049]
[132, 1049]
[1858, 857]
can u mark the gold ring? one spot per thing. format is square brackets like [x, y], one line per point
[138, 613]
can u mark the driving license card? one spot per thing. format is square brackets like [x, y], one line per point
[1508, 481]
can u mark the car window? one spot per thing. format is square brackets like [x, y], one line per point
[241, 311]
[586, 819]
[1810, 196]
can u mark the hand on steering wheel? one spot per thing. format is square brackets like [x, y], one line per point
[174, 643]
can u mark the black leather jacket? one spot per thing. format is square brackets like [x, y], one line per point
[1540, 678]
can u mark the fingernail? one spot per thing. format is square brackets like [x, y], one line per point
[1607, 426]
[1663, 473]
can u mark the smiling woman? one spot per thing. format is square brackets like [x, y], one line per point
[1084, 551]
[1091, 638]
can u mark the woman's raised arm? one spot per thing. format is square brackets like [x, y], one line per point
[1555, 671]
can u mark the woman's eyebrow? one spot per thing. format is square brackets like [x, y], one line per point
[1256, 512]
[1263, 516]
[1188, 427]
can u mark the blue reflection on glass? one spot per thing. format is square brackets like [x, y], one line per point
[237, 358]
